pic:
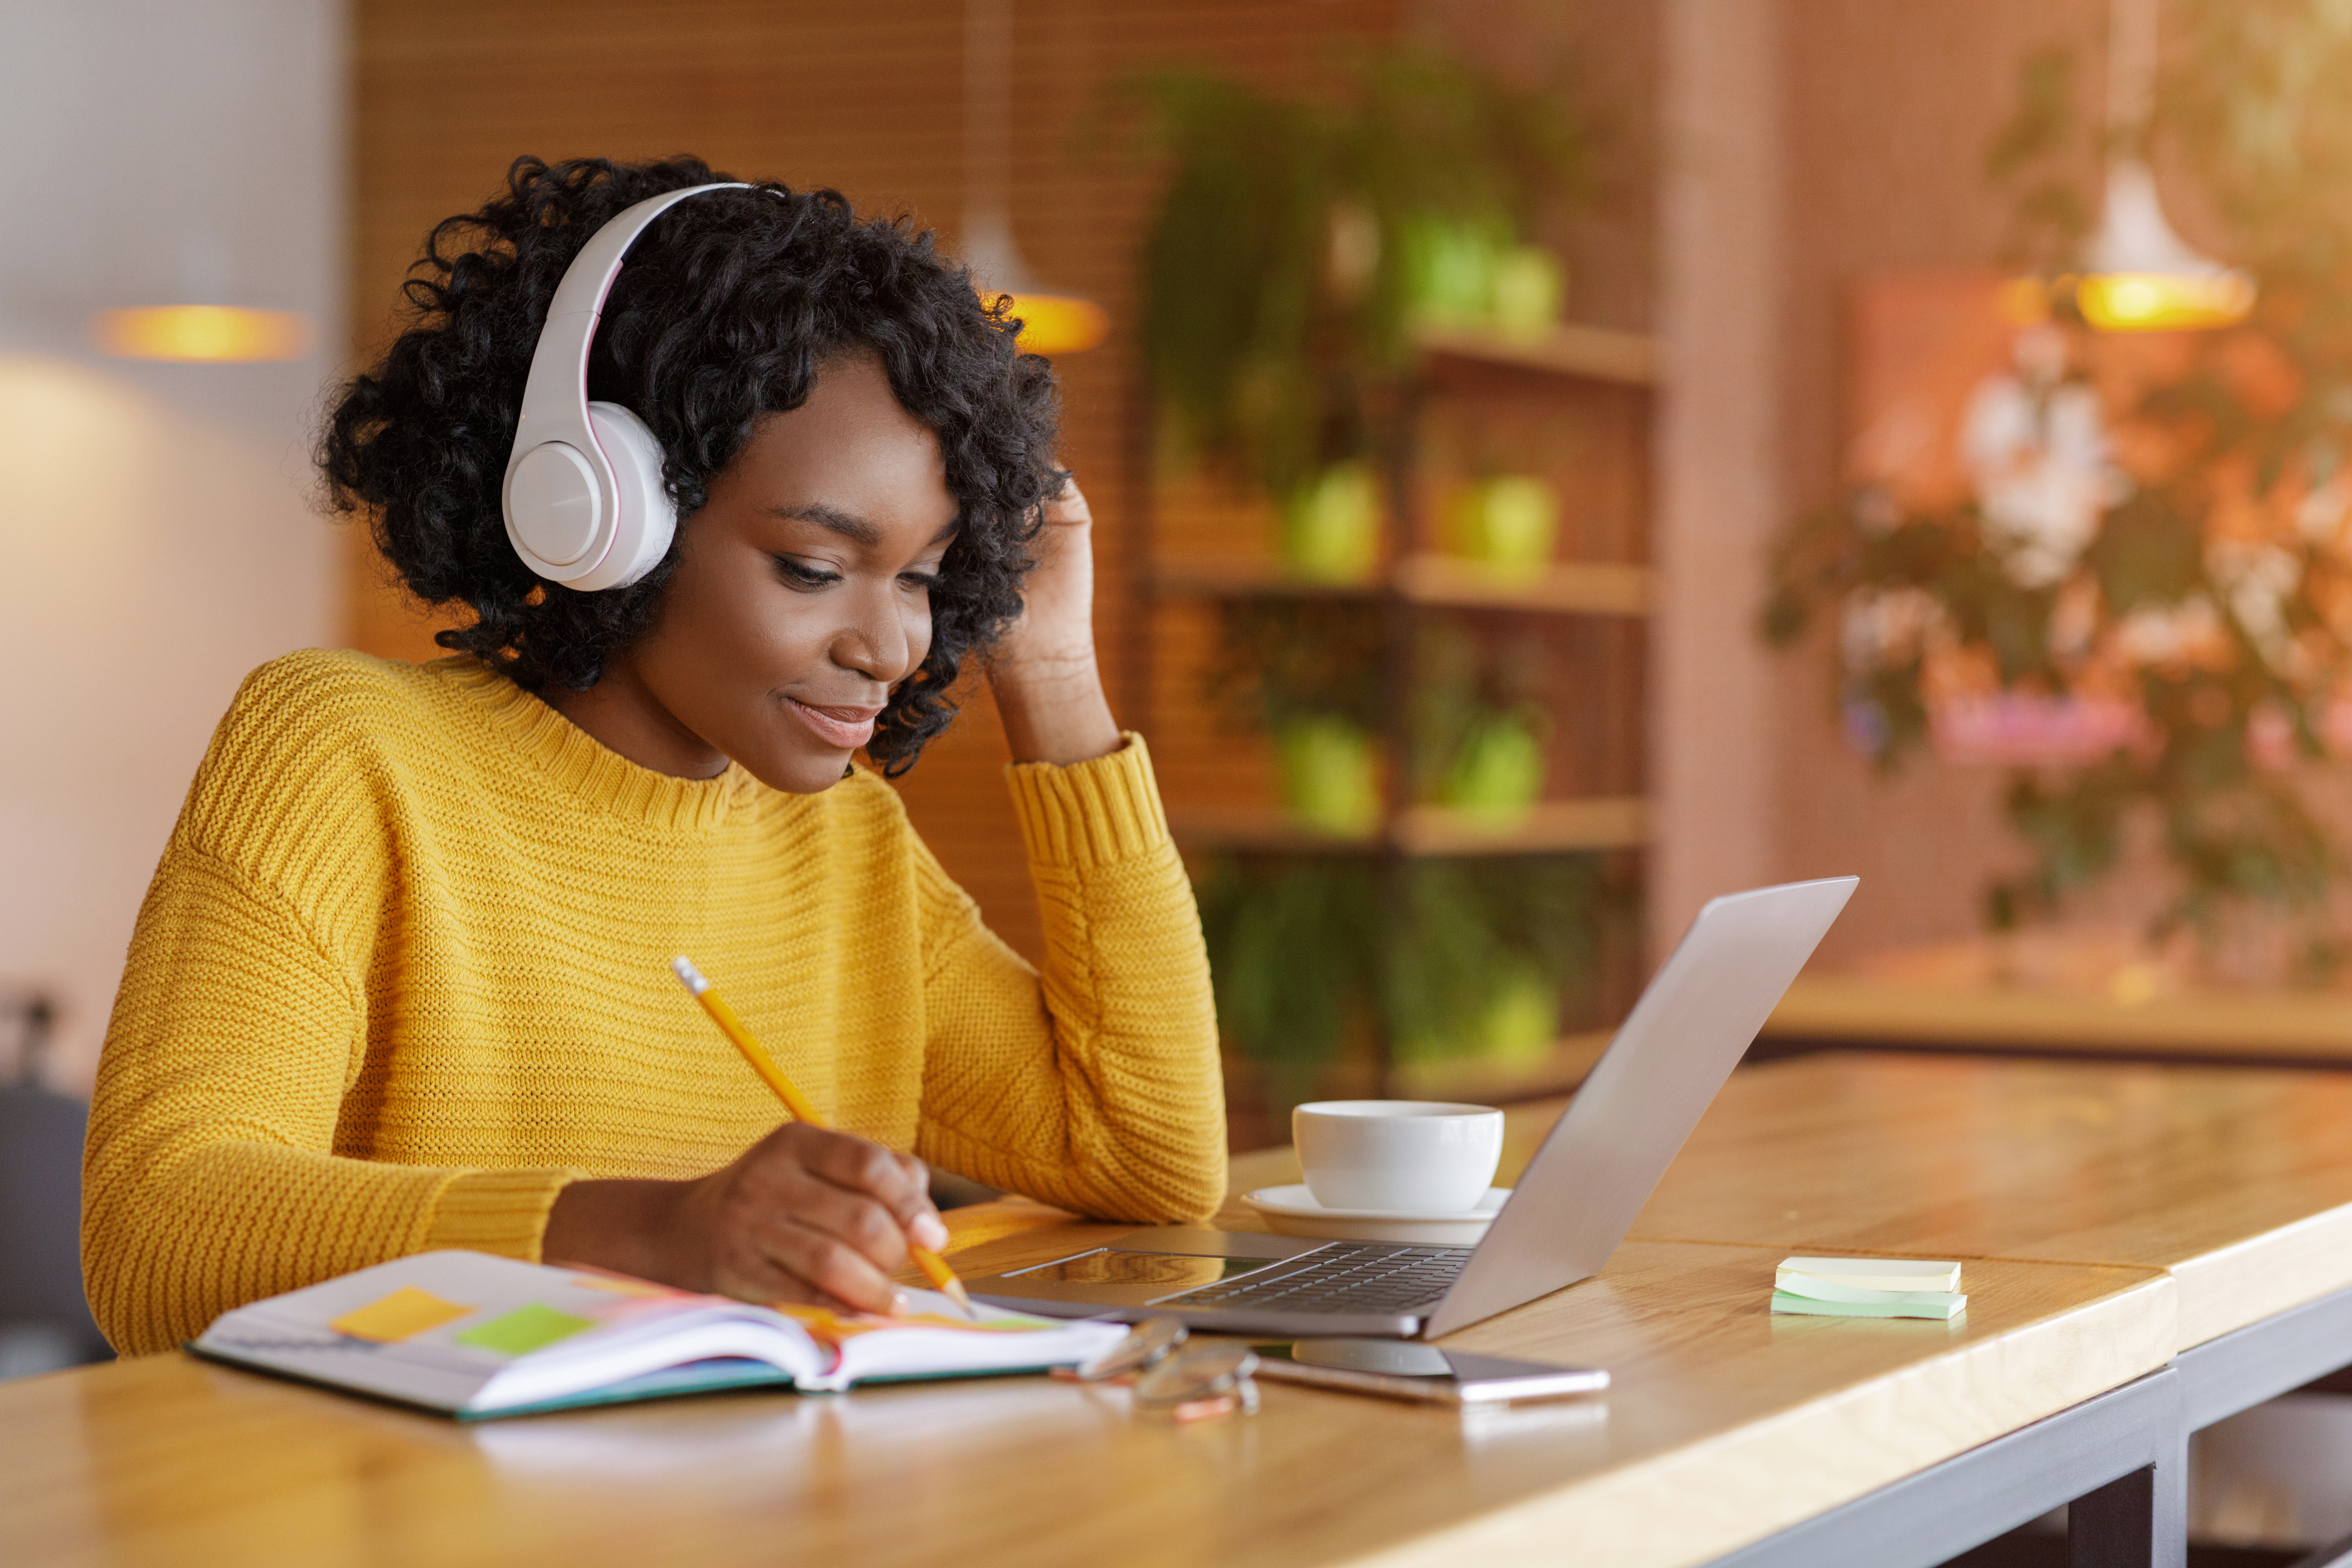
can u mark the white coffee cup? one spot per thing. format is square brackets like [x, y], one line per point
[1406, 1156]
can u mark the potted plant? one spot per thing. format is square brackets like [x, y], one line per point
[1300, 242]
[1303, 243]
[2159, 624]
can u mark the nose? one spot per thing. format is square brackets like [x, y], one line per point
[884, 637]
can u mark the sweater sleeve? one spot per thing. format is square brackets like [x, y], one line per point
[1095, 1086]
[209, 1178]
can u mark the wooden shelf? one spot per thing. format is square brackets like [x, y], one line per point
[1571, 587]
[1569, 1062]
[1608, 822]
[1571, 406]
[1228, 579]
[1565, 587]
[1258, 828]
[1605, 822]
[1592, 353]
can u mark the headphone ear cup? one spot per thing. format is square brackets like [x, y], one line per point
[646, 519]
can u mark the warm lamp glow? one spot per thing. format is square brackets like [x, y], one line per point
[1057, 323]
[2141, 277]
[1051, 323]
[213, 334]
[2164, 301]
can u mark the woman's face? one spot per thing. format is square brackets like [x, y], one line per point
[801, 594]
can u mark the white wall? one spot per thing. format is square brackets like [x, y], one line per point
[156, 534]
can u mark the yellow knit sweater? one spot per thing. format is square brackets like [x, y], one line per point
[405, 971]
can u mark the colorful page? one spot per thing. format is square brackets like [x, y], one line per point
[473, 1336]
[469, 1332]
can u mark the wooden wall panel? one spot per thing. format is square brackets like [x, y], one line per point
[866, 98]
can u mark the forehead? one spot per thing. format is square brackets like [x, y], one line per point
[852, 446]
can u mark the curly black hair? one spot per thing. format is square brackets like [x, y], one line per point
[729, 305]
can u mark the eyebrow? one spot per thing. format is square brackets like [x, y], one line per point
[849, 525]
[832, 520]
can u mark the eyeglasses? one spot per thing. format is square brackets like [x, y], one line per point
[1173, 1381]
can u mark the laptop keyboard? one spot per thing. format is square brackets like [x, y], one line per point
[1347, 1277]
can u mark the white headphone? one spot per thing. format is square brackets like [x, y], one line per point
[583, 496]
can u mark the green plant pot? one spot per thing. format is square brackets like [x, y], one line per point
[1498, 774]
[1330, 776]
[1450, 273]
[1331, 529]
[1517, 1024]
[1521, 1022]
[1528, 290]
[1510, 522]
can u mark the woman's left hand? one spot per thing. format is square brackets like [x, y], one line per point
[1048, 689]
[1056, 629]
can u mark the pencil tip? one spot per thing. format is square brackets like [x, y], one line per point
[687, 976]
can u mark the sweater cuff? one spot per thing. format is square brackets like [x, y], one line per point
[1092, 813]
[504, 1212]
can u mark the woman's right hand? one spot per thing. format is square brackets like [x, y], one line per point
[805, 1214]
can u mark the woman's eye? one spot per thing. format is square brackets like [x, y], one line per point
[926, 580]
[801, 575]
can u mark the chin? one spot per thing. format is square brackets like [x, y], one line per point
[799, 773]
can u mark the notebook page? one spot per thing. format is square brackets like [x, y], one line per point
[935, 1338]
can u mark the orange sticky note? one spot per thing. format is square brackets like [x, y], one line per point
[404, 1314]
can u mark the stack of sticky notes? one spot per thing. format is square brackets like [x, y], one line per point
[1868, 1287]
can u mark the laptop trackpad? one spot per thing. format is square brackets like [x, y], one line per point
[1199, 1242]
[1166, 1273]
[1146, 1266]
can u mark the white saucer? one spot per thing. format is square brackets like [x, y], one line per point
[1293, 1211]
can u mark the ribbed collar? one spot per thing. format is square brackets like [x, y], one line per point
[584, 767]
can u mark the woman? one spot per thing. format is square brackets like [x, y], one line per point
[402, 980]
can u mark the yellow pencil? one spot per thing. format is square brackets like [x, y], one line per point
[935, 1267]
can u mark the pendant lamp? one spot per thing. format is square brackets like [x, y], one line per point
[2142, 277]
[1052, 323]
[202, 334]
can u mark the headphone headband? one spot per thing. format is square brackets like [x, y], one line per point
[583, 497]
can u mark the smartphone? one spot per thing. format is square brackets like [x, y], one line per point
[1406, 1369]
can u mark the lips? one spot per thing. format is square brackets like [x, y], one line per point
[844, 727]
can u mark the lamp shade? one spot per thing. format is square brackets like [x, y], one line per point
[1057, 323]
[2145, 278]
[214, 334]
[1051, 323]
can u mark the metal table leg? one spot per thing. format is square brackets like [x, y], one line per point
[2120, 1459]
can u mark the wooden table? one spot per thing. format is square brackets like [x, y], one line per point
[2236, 1182]
[1722, 1425]
[2097, 1206]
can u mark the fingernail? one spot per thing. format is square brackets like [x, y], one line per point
[930, 1232]
[900, 1304]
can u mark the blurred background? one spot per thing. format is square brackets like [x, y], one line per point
[1555, 462]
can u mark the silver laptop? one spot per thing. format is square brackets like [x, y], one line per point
[1571, 1207]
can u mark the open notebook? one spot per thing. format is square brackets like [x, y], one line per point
[475, 1335]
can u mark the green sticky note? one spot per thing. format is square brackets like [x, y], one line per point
[523, 1331]
[1949, 1307]
[1831, 1290]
